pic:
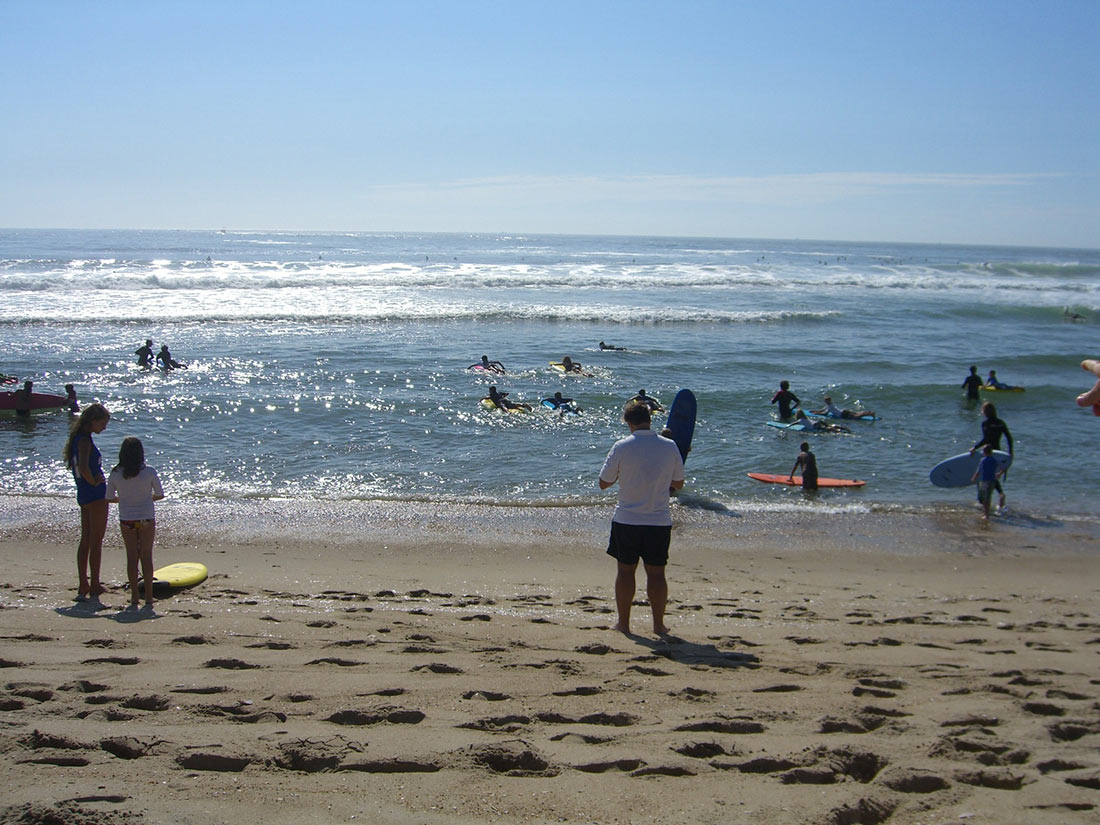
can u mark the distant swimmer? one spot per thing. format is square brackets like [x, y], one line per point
[487, 365]
[1092, 397]
[786, 399]
[833, 411]
[1073, 317]
[604, 346]
[23, 398]
[651, 402]
[972, 383]
[145, 355]
[500, 401]
[992, 381]
[166, 362]
[818, 426]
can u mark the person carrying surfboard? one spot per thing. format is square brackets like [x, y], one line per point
[646, 467]
[992, 430]
[808, 462]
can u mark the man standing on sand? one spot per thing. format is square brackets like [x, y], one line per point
[647, 468]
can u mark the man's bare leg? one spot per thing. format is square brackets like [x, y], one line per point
[657, 590]
[624, 595]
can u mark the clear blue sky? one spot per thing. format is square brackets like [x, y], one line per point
[969, 121]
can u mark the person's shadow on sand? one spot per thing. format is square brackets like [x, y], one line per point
[670, 646]
[84, 609]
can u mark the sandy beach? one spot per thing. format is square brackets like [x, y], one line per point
[837, 669]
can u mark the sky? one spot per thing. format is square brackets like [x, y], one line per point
[969, 121]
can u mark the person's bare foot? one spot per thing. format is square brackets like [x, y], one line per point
[661, 631]
[620, 627]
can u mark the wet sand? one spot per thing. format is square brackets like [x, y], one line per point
[427, 664]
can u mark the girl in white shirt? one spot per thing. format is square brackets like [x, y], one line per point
[135, 486]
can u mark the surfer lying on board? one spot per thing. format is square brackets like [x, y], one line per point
[570, 365]
[604, 346]
[164, 358]
[1092, 397]
[8, 379]
[833, 411]
[557, 402]
[808, 462]
[819, 426]
[498, 398]
[992, 381]
[486, 364]
[651, 402]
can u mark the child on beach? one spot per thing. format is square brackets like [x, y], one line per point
[986, 475]
[83, 459]
[135, 486]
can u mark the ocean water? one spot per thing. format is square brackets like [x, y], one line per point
[333, 365]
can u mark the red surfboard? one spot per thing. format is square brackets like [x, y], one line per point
[778, 478]
[38, 401]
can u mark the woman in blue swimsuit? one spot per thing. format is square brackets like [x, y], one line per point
[83, 458]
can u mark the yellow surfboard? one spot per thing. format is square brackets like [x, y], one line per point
[180, 574]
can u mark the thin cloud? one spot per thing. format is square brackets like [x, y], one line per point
[823, 187]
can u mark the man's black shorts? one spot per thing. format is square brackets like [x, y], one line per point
[629, 542]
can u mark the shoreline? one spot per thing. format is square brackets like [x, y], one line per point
[428, 673]
[349, 522]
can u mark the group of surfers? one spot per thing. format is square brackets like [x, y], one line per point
[499, 400]
[163, 359]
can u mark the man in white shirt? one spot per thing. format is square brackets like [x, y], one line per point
[647, 468]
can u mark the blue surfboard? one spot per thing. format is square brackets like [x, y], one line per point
[681, 421]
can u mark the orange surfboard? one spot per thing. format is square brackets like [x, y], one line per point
[779, 478]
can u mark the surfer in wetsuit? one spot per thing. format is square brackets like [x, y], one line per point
[604, 346]
[808, 462]
[502, 403]
[786, 400]
[653, 404]
[164, 358]
[23, 399]
[992, 430]
[486, 364]
[145, 354]
[972, 383]
[993, 382]
[570, 365]
[560, 403]
[833, 411]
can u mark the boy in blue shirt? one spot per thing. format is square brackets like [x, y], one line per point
[986, 475]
